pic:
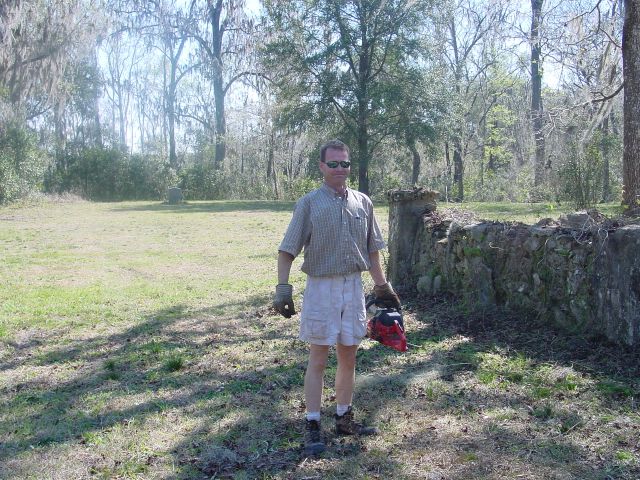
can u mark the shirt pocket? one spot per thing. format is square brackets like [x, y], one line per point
[358, 227]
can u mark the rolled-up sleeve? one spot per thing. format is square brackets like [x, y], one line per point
[299, 230]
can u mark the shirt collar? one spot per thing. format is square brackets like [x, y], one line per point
[333, 193]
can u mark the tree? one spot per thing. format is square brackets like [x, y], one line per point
[536, 91]
[331, 62]
[472, 32]
[417, 106]
[585, 39]
[170, 27]
[631, 72]
[44, 45]
[82, 123]
[163, 26]
[39, 41]
[225, 44]
[123, 53]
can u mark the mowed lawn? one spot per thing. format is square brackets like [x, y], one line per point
[136, 341]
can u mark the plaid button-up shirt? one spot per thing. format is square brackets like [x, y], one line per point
[337, 233]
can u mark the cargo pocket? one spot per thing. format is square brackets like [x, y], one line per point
[314, 325]
[318, 327]
[360, 325]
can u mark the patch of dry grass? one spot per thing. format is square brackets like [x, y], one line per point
[173, 366]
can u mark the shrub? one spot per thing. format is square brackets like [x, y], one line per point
[202, 182]
[148, 178]
[96, 172]
[22, 164]
[580, 176]
[298, 187]
[110, 174]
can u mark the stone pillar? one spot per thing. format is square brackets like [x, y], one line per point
[617, 276]
[406, 208]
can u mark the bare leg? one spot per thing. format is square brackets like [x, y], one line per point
[346, 373]
[314, 376]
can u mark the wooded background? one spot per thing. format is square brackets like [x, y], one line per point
[480, 100]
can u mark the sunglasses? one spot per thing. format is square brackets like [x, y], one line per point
[334, 164]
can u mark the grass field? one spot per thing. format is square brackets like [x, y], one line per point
[136, 341]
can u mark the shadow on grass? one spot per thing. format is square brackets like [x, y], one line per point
[236, 380]
[220, 206]
[506, 431]
[42, 411]
[173, 362]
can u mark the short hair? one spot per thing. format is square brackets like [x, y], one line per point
[336, 145]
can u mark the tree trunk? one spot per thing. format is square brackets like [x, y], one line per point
[96, 134]
[270, 157]
[122, 119]
[415, 171]
[631, 72]
[217, 32]
[362, 128]
[221, 126]
[141, 122]
[604, 149]
[60, 137]
[171, 120]
[97, 126]
[481, 166]
[171, 102]
[363, 157]
[242, 140]
[536, 92]
[447, 158]
[165, 126]
[458, 171]
[272, 170]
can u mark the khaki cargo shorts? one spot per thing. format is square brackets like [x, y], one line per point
[333, 310]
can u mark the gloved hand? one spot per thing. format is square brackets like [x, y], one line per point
[385, 295]
[283, 300]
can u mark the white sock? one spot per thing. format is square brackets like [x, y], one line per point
[342, 409]
[313, 416]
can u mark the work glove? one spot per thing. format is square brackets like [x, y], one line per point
[283, 300]
[385, 295]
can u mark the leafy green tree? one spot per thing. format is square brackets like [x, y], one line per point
[417, 104]
[498, 141]
[580, 174]
[333, 63]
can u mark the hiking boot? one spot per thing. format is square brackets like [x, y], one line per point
[313, 443]
[345, 425]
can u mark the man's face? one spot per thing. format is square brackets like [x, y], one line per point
[335, 176]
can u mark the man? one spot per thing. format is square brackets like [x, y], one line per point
[341, 238]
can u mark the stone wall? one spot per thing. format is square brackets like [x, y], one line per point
[582, 271]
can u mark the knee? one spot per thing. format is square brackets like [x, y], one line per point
[347, 356]
[316, 365]
[347, 363]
